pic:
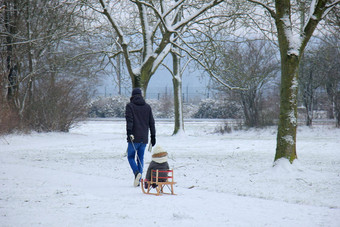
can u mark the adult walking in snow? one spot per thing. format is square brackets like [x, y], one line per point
[139, 120]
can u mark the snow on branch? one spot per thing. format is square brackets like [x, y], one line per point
[333, 4]
[160, 57]
[318, 10]
[113, 23]
[192, 17]
[122, 40]
[330, 7]
[176, 8]
[146, 30]
[142, 3]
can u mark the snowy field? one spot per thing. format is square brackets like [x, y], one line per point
[81, 178]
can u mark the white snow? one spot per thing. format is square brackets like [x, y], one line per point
[81, 178]
[293, 36]
[289, 139]
[292, 118]
[160, 57]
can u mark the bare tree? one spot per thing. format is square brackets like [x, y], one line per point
[191, 44]
[250, 65]
[177, 73]
[144, 43]
[311, 78]
[329, 63]
[155, 28]
[39, 39]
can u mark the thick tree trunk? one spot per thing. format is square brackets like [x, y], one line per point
[289, 54]
[141, 80]
[286, 136]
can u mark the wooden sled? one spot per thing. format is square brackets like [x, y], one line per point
[165, 185]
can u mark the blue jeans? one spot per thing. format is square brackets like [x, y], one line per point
[136, 161]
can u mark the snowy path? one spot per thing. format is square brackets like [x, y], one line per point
[82, 179]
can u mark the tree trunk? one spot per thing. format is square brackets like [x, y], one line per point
[286, 136]
[142, 80]
[308, 101]
[337, 109]
[177, 85]
[11, 18]
[178, 100]
[309, 120]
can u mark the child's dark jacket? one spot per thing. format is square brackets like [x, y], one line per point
[154, 166]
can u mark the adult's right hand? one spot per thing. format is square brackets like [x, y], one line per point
[153, 140]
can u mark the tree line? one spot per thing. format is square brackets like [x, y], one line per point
[51, 51]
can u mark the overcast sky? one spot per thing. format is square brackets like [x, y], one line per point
[193, 82]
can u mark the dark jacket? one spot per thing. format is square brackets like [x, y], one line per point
[154, 166]
[139, 119]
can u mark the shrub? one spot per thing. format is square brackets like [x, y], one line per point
[108, 107]
[9, 118]
[55, 107]
[218, 109]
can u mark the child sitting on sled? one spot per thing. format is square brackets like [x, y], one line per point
[160, 162]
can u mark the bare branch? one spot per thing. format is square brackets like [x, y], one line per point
[199, 12]
[139, 3]
[271, 11]
[121, 52]
[314, 18]
[120, 33]
[330, 7]
[167, 67]
[208, 70]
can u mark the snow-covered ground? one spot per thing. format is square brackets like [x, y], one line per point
[81, 178]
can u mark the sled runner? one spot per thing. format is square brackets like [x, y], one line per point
[162, 181]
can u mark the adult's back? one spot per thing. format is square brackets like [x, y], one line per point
[139, 119]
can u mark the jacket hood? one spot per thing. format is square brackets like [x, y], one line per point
[138, 100]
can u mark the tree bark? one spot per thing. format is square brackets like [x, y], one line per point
[286, 136]
[11, 18]
[178, 100]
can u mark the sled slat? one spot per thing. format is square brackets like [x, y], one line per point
[161, 185]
